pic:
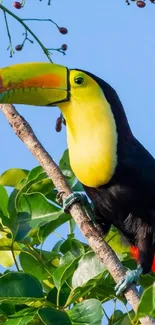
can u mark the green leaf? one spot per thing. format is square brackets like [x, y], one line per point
[18, 287]
[35, 172]
[51, 316]
[52, 196]
[12, 204]
[8, 308]
[36, 175]
[88, 267]
[32, 265]
[48, 256]
[119, 318]
[72, 225]
[73, 245]
[98, 287]
[117, 315]
[63, 295]
[57, 246]
[3, 317]
[147, 303]
[6, 256]
[104, 289]
[64, 165]
[66, 268]
[39, 208]
[22, 226]
[12, 177]
[47, 229]
[4, 201]
[146, 280]
[22, 317]
[37, 212]
[88, 312]
[78, 187]
[128, 262]
[115, 241]
[44, 186]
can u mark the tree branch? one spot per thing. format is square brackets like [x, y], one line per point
[23, 130]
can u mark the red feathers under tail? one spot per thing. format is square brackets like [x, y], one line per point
[134, 251]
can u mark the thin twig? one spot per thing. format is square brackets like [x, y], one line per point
[28, 29]
[23, 130]
[9, 35]
[40, 19]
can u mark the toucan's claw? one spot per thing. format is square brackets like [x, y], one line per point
[81, 198]
[73, 198]
[129, 278]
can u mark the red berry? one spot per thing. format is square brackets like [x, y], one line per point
[64, 47]
[153, 1]
[141, 4]
[58, 125]
[17, 5]
[18, 47]
[63, 30]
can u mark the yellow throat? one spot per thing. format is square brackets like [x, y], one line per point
[91, 133]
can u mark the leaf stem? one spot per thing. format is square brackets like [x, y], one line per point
[106, 314]
[58, 294]
[14, 258]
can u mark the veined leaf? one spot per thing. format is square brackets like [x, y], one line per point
[147, 303]
[67, 265]
[32, 265]
[88, 267]
[22, 317]
[12, 177]
[36, 211]
[88, 312]
[19, 287]
[51, 316]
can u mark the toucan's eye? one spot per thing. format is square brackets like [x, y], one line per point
[79, 80]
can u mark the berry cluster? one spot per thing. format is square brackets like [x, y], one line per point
[139, 3]
[59, 121]
[62, 30]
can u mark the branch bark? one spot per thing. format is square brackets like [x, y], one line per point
[23, 130]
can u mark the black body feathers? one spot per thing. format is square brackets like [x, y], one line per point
[128, 200]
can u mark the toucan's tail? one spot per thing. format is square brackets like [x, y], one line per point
[134, 251]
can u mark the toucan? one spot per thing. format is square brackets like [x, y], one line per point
[116, 171]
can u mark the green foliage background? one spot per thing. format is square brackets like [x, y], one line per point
[68, 284]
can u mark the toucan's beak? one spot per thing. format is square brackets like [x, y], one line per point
[39, 84]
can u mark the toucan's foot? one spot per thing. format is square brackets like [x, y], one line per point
[81, 198]
[73, 198]
[130, 277]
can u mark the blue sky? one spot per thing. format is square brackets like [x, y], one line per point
[108, 38]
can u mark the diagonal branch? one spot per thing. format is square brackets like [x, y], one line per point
[23, 130]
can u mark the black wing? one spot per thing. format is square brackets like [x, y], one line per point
[136, 166]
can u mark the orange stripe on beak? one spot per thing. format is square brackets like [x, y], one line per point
[43, 81]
